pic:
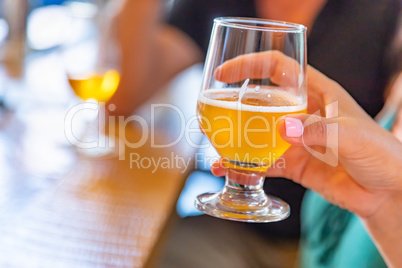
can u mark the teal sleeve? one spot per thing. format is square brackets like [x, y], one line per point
[333, 237]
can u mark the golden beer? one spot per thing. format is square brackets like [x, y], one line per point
[246, 131]
[100, 87]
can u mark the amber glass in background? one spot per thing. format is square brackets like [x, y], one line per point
[91, 66]
[98, 86]
[240, 118]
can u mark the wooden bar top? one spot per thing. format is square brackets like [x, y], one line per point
[59, 209]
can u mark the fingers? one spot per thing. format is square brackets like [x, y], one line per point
[281, 69]
[234, 175]
[217, 169]
[286, 71]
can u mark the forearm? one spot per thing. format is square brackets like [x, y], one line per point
[152, 53]
[385, 227]
[136, 26]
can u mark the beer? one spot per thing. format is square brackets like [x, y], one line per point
[100, 87]
[245, 130]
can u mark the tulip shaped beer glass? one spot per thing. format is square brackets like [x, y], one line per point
[255, 73]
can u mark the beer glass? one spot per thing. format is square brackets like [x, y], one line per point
[254, 74]
[91, 63]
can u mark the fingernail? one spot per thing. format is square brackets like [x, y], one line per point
[294, 127]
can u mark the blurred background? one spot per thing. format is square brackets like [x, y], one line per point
[65, 207]
[53, 199]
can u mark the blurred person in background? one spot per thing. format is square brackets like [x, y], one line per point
[349, 41]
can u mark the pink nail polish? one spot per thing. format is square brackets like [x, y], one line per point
[294, 127]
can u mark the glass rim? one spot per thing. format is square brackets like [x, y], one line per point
[268, 25]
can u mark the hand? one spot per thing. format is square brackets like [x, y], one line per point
[395, 97]
[370, 158]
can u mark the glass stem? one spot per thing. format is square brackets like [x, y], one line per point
[244, 189]
[95, 125]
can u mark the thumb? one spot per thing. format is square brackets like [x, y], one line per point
[305, 129]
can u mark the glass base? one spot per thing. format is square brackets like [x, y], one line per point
[243, 197]
[105, 151]
[259, 208]
[98, 152]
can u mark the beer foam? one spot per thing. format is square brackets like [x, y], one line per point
[294, 103]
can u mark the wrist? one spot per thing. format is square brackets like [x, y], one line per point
[392, 205]
[385, 228]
